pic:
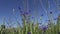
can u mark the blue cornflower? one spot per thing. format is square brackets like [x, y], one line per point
[50, 12]
[19, 8]
[26, 13]
[42, 15]
[21, 12]
[32, 17]
[44, 28]
[55, 19]
[29, 11]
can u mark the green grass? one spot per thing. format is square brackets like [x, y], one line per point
[31, 28]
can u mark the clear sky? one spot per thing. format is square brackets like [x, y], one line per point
[38, 6]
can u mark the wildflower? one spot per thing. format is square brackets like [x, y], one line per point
[29, 11]
[55, 19]
[32, 17]
[44, 28]
[50, 12]
[19, 8]
[21, 12]
[26, 13]
[42, 15]
[29, 32]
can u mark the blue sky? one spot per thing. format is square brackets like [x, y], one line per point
[6, 9]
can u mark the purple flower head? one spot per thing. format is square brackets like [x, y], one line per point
[32, 17]
[29, 32]
[44, 28]
[19, 8]
[21, 13]
[50, 12]
[29, 11]
[55, 19]
[26, 13]
[42, 15]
